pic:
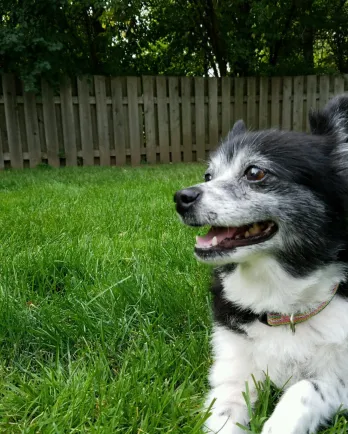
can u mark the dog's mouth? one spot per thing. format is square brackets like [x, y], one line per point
[220, 239]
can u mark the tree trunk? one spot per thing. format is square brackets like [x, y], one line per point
[217, 43]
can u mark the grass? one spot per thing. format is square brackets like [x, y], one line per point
[104, 312]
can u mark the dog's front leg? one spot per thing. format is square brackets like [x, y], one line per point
[232, 367]
[305, 406]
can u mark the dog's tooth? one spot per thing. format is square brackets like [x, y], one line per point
[255, 229]
[214, 241]
[246, 234]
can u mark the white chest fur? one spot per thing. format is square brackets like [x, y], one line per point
[318, 348]
[319, 345]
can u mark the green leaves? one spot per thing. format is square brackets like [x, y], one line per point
[177, 37]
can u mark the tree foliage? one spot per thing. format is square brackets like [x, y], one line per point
[178, 37]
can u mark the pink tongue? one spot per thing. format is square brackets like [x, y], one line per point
[219, 233]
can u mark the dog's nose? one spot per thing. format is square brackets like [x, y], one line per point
[186, 198]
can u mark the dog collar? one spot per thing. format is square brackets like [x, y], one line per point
[276, 319]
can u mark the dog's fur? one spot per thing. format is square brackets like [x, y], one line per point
[305, 192]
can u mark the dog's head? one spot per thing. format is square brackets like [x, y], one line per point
[275, 192]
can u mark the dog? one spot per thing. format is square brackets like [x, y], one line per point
[276, 203]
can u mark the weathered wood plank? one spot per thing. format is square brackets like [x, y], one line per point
[50, 124]
[200, 118]
[263, 104]
[133, 120]
[275, 102]
[213, 113]
[2, 161]
[149, 115]
[324, 84]
[102, 120]
[311, 97]
[118, 121]
[32, 128]
[163, 123]
[251, 103]
[69, 136]
[239, 98]
[287, 103]
[174, 118]
[338, 85]
[298, 104]
[225, 105]
[14, 141]
[85, 122]
[186, 118]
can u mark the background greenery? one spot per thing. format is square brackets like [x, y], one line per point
[176, 37]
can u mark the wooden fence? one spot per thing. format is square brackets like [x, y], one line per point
[129, 120]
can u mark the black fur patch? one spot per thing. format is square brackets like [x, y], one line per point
[225, 312]
[329, 120]
[318, 390]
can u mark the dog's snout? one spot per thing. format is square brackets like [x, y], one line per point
[184, 199]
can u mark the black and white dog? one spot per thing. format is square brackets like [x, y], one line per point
[277, 206]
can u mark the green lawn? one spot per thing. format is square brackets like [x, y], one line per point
[104, 312]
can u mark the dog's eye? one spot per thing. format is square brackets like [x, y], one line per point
[207, 177]
[254, 173]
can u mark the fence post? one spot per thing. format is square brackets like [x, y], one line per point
[50, 124]
[85, 122]
[69, 135]
[14, 141]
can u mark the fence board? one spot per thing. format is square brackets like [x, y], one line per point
[50, 124]
[149, 114]
[186, 118]
[324, 84]
[68, 123]
[239, 98]
[338, 85]
[225, 105]
[133, 120]
[14, 143]
[213, 113]
[298, 104]
[32, 128]
[199, 118]
[251, 103]
[119, 124]
[275, 105]
[2, 162]
[311, 97]
[102, 121]
[287, 95]
[85, 122]
[174, 118]
[162, 114]
[263, 104]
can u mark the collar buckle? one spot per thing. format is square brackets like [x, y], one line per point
[292, 324]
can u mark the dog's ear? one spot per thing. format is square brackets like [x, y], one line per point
[237, 129]
[332, 119]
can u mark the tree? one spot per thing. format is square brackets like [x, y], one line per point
[52, 38]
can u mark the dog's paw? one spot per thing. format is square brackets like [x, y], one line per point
[283, 425]
[217, 424]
